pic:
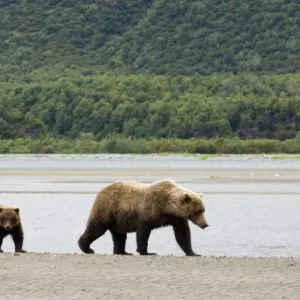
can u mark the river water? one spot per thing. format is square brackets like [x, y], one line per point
[246, 217]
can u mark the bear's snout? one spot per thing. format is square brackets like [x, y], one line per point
[204, 226]
[200, 221]
[8, 228]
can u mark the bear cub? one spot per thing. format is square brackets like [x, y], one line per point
[130, 206]
[10, 224]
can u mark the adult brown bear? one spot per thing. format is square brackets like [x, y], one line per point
[130, 206]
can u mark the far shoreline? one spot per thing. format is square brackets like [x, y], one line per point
[88, 144]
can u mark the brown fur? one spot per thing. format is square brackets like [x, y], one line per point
[130, 206]
[10, 224]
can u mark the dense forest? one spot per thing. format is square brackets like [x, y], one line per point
[73, 104]
[145, 69]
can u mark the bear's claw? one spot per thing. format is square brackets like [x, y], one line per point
[148, 253]
[21, 251]
[123, 253]
[193, 254]
[89, 251]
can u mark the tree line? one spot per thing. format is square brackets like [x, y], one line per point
[70, 103]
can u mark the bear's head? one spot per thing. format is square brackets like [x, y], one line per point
[192, 208]
[9, 217]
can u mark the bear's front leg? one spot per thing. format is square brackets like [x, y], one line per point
[183, 236]
[142, 236]
[18, 238]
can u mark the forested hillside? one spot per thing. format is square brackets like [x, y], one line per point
[150, 69]
[161, 36]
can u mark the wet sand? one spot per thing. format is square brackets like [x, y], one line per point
[148, 174]
[51, 276]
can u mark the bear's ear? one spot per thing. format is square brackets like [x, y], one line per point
[186, 199]
[17, 210]
[1, 209]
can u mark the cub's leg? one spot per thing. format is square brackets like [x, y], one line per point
[119, 240]
[142, 236]
[183, 236]
[93, 231]
[18, 238]
[1, 241]
[3, 234]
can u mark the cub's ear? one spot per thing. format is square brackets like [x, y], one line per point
[17, 210]
[186, 199]
[1, 209]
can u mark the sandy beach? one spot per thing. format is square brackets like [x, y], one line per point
[52, 276]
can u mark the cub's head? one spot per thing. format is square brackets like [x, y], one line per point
[190, 206]
[9, 217]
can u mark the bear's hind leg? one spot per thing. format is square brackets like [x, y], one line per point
[183, 236]
[142, 236]
[92, 232]
[119, 240]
